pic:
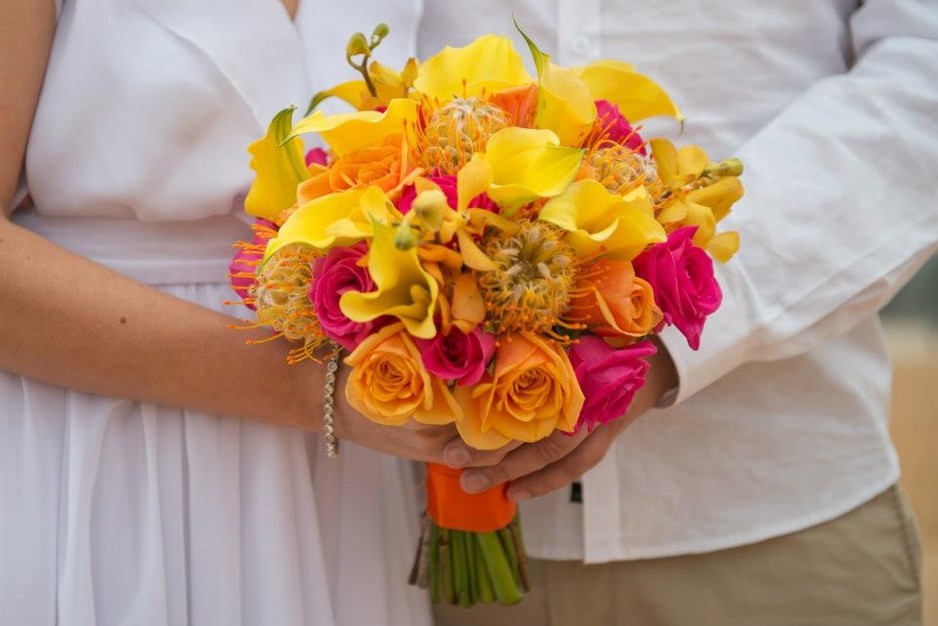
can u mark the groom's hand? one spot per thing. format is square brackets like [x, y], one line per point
[553, 463]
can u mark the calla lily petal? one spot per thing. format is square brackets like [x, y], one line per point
[565, 104]
[528, 164]
[637, 96]
[279, 167]
[347, 132]
[487, 65]
[335, 219]
[619, 227]
[404, 288]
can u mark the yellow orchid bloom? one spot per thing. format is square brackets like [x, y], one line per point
[347, 132]
[405, 290]
[279, 167]
[487, 65]
[599, 222]
[336, 219]
[694, 199]
[528, 164]
[388, 83]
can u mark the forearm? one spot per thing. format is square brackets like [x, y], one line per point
[68, 321]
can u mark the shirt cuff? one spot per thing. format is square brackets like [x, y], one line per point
[723, 348]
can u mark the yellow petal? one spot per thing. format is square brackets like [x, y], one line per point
[474, 178]
[702, 217]
[600, 222]
[354, 92]
[667, 163]
[278, 166]
[527, 164]
[489, 64]
[564, 105]
[719, 196]
[472, 256]
[637, 96]
[691, 161]
[723, 246]
[470, 425]
[335, 219]
[347, 132]
[674, 212]
[443, 409]
[403, 288]
[468, 304]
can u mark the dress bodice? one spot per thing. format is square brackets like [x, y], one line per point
[148, 105]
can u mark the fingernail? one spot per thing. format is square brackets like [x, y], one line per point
[456, 455]
[473, 483]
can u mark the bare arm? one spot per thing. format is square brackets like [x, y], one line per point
[68, 321]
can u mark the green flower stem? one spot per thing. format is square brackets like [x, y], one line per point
[502, 573]
[508, 544]
[468, 542]
[446, 567]
[434, 565]
[461, 569]
[483, 582]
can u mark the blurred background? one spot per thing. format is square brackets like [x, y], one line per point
[911, 322]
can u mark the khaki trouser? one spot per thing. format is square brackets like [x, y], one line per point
[863, 568]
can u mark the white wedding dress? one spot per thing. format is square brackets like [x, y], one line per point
[120, 512]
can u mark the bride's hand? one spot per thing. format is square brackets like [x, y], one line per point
[412, 440]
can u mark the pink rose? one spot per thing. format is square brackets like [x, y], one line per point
[244, 264]
[681, 275]
[447, 185]
[617, 128]
[609, 377]
[333, 275]
[458, 356]
[317, 156]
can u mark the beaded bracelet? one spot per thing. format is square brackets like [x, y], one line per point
[328, 407]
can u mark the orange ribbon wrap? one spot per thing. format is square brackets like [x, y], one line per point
[451, 507]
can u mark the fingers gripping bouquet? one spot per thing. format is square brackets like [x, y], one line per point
[493, 250]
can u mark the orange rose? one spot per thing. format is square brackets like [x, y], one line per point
[531, 392]
[389, 383]
[381, 166]
[614, 302]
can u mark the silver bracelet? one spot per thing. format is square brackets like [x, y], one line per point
[328, 407]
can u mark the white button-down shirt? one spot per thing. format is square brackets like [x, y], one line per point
[781, 417]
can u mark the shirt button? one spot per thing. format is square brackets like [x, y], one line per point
[581, 45]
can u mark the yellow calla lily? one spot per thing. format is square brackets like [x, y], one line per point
[528, 164]
[564, 102]
[487, 65]
[405, 290]
[336, 219]
[347, 132]
[637, 96]
[600, 222]
[279, 167]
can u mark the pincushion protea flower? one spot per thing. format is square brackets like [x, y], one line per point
[530, 286]
[456, 131]
[281, 297]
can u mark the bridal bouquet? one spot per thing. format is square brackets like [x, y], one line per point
[493, 250]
